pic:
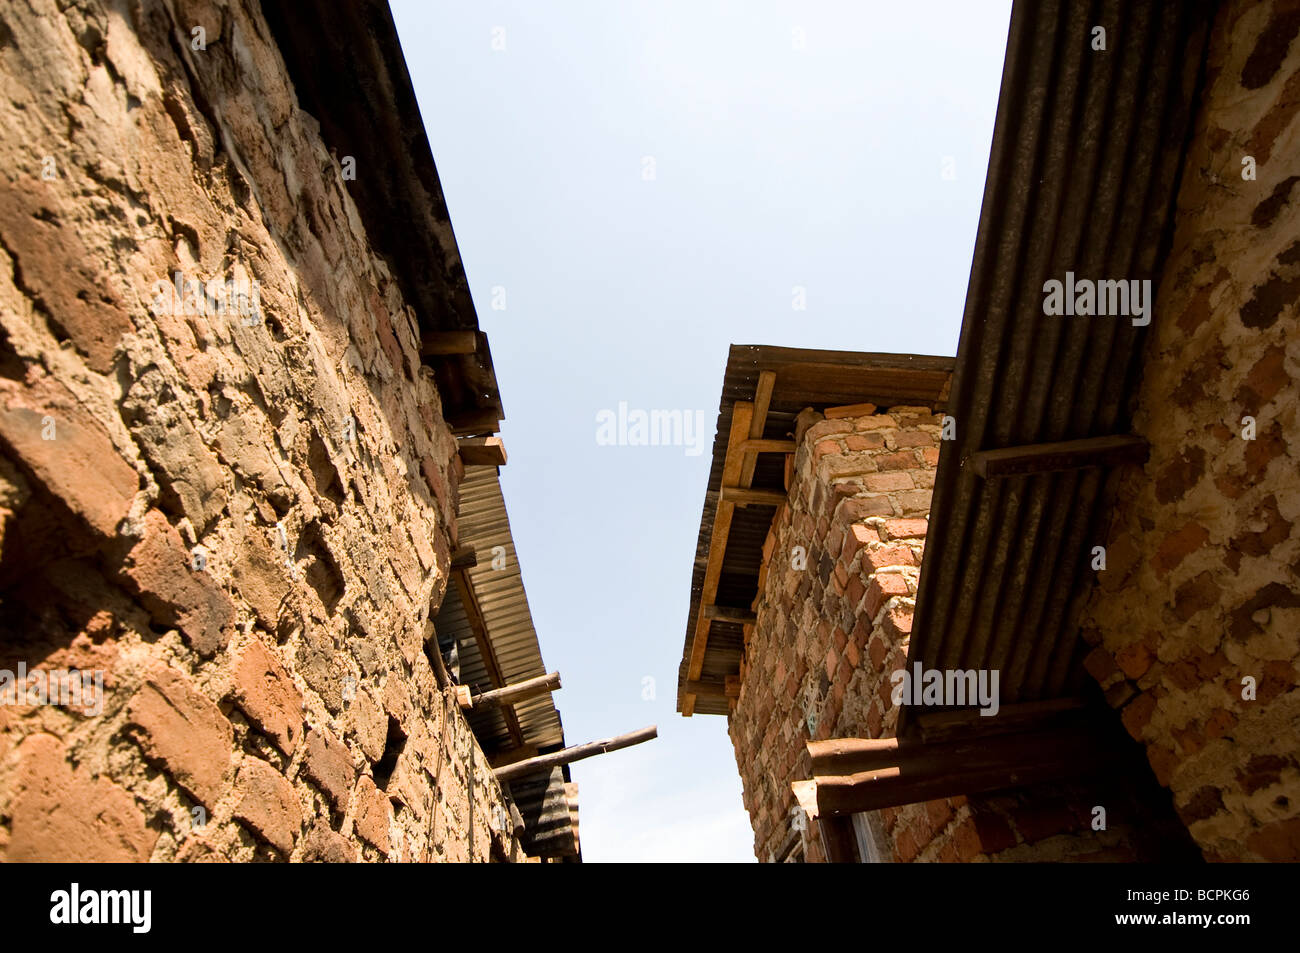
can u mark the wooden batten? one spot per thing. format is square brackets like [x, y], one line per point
[448, 343]
[482, 451]
[1062, 455]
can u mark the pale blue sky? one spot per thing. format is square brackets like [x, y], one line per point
[775, 167]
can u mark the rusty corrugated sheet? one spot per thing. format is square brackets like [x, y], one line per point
[484, 525]
[1083, 174]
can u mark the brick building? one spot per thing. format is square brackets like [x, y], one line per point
[1096, 510]
[246, 452]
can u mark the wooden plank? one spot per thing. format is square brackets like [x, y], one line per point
[915, 772]
[1062, 455]
[446, 343]
[768, 446]
[706, 687]
[478, 626]
[482, 451]
[463, 557]
[742, 414]
[849, 410]
[729, 614]
[762, 400]
[743, 496]
[476, 422]
[946, 725]
[576, 753]
[838, 839]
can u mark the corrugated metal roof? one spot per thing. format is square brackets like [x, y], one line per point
[484, 525]
[1083, 174]
[804, 378]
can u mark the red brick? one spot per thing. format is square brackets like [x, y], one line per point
[323, 846]
[1100, 665]
[885, 482]
[885, 556]
[939, 814]
[877, 650]
[158, 568]
[898, 622]
[826, 448]
[967, 840]
[860, 507]
[902, 460]
[1135, 659]
[58, 813]
[994, 833]
[80, 465]
[853, 654]
[1196, 595]
[1163, 762]
[329, 765]
[266, 693]
[906, 528]
[905, 847]
[832, 661]
[856, 590]
[268, 804]
[1137, 713]
[58, 269]
[1177, 546]
[865, 441]
[184, 731]
[913, 438]
[930, 456]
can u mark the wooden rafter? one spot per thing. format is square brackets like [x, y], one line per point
[744, 443]
[478, 625]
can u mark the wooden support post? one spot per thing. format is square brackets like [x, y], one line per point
[1063, 455]
[541, 685]
[576, 753]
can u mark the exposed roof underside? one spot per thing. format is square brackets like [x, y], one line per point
[804, 378]
[350, 75]
[1083, 174]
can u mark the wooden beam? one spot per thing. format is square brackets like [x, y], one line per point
[768, 446]
[742, 414]
[762, 401]
[888, 773]
[743, 496]
[576, 753]
[1062, 455]
[948, 725]
[463, 557]
[706, 687]
[478, 626]
[482, 451]
[475, 422]
[519, 691]
[447, 343]
[729, 614]
[850, 410]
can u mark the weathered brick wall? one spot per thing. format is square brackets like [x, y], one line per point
[1201, 586]
[834, 617]
[280, 690]
[834, 611]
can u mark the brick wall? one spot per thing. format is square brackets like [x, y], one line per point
[270, 698]
[834, 616]
[1201, 587]
[834, 611]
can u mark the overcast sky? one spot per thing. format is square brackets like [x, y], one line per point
[634, 187]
